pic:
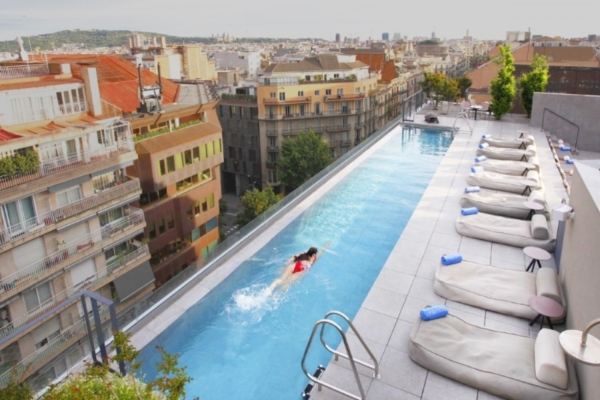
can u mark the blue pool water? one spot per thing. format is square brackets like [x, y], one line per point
[239, 342]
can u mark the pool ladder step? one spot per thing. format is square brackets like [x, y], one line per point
[316, 378]
[311, 386]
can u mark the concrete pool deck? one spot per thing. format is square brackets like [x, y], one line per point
[405, 284]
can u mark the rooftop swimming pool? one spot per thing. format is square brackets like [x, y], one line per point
[239, 341]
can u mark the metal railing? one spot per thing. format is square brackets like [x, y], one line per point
[68, 162]
[567, 121]
[113, 266]
[71, 108]
[19, 71]
[339, 128]
[464, 116]
[32, 225]
[348, 355]
[29, 274]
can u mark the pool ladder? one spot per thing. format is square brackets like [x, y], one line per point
[316, 378]
[464, 116]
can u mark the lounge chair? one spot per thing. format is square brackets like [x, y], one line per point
[509, 143]
[508, 167]
[504, 204]
[501, 153]
[506, 183]
[500, 290]
[513, 232]
[504, 364]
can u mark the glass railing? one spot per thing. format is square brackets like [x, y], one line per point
[113, 266]
[30, 274]
[19, 71]
[32, 225]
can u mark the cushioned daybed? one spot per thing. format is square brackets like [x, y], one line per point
[509, 143]
[506, 183]
[504, 364]
[513, 232]
[509, 167]
[504, 204]
[500, 153]
[500, 290]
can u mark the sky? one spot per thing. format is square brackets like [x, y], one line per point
[309, 18]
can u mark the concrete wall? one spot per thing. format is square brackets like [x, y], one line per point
[579, 270]
[579, 109]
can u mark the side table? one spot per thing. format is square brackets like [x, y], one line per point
[533, 208]
[536, 254]
[546, 308]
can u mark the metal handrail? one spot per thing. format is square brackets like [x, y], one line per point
[564, 119]
[465, 116]
[325, 321]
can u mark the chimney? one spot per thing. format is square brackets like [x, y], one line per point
[92, 90]
[154, 42]
[130, 42]
[163, 42]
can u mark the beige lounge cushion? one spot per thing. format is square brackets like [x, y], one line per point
[533, 176]
[547, 285]
[550, 363]
[531, 148]
[534, 160]
[506, 167]
[497, 203]
[500, 153]
[500, 363]
[505, 183]
[539, 228]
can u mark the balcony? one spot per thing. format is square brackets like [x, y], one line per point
[98, 279]
[291, 100]
[273, 148]
[272, 132]
[61, 165]
[345, 142]
[338, 128]
[345, 97]
[272, 164]
[43, 268]
[21, 71]
[30, 227]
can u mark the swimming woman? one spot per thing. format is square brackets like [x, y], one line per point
[302, 262]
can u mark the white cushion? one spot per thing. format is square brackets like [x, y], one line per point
[533, 176]
[539, 227]
[546, 283]
[537, 196]
[534, 161]
[550, 363]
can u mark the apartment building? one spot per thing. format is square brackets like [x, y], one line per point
[178, 140]
[248, 61]
[331, 94]
[67, 222]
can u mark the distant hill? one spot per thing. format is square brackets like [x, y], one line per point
[104, 38]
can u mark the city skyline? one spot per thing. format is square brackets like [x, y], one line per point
[272, 19]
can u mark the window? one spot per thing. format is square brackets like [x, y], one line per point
[170, 222]
[47, 340]
[151, 231]
[273, 95]
[204, 204]
[232, 111]
[253, 113]
[340, 92]
[317, 92]
[231, 152]
[211, 224]
[318, 108]
[68, 196]
[218, 147]
[242, 112]
[210, 149]
[171, 164]
[195, 234]
[307, 78]
[187, 157]
[211, 200]
[272, 157]
[302, 109]
[357, 90]
[203, 151]
[288, 111]
[345, 150]
[272, 175]
[179, 160]
[111, 215]
[196, 208]
[240, 153]
[189, 212]
[196, 154]
[327, 92]
[161, 226]
[19, 215]
[300, 93]
[114, 251]
[162, 169]
[281, 96]
[38, 297]
[332, 152]
[336, 76]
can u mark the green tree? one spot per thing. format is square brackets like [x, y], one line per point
[534, 81]
[463, 83]
[433, 84]
[302, 158]
[255, 202]
[503, 87]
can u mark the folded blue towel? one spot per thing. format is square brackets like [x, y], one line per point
[469, 211]
[570, 161]
[449, 259]
[480, 158]
[472, 189]
[483, 145]
[565, 148]
[486, 136]
[476, 169]
[434, 312]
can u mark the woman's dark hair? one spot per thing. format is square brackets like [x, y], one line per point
[305, 256]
